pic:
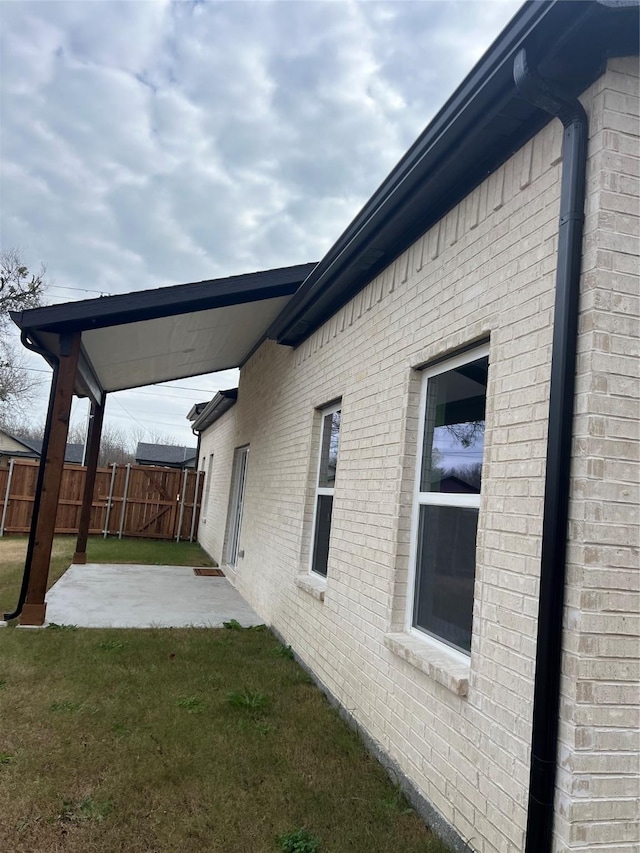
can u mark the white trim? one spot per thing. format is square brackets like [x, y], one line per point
[204, 507]
[449, 499]
[456, 361]
[434, 498]
[415, 512]
[236, 508]
[439, 645]
[322, 490]
[331, 408]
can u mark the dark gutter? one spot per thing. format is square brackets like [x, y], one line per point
[164, 301]
[480, 126]
[546, 700]
[38, 493]
[220, 404]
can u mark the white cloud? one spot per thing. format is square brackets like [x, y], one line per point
[150, 143]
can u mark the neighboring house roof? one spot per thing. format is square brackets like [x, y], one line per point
[213, 410]
[169, 455]
[73, 453]
[32, 449]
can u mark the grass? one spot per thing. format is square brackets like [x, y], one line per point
[183, 740]
[178, 740]
[149, 552]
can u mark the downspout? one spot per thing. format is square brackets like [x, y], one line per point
[546, 699]
[43, 456]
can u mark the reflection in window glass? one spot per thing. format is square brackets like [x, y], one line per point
[329, 450]
[454, 430]
[448, 501]
[322, 532]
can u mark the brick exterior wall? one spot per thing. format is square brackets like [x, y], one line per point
[597, 803]
[486, 270]
[219, 442]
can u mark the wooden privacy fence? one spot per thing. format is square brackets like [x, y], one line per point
[128, 500]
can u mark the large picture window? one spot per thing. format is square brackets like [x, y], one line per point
[327, 464]
[448, 498]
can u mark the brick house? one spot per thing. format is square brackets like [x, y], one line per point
[427, 480]
[382, 490]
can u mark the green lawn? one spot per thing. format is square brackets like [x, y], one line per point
[181, 740]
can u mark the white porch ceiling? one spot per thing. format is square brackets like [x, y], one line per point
[152, 336]
[176, 347]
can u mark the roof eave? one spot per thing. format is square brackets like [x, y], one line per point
[163, 302]
[219, 405]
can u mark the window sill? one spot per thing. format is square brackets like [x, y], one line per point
[314, 586]
[433, 660]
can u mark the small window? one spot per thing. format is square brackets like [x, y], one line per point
[446, 510]
[323, 508]
[236, 503]
[209, 478]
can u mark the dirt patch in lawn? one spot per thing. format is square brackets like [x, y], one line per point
[14, 549]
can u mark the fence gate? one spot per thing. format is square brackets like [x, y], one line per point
[128, 500]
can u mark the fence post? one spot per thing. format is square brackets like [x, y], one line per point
[182, 497]
[124, 500]
[195, 504]
[105, 532]
[6, 497]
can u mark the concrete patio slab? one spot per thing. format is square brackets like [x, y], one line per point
[129, 596]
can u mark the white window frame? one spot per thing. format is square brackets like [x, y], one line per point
[327, 410]
[207, 489]
[434, 498]
[236, 505]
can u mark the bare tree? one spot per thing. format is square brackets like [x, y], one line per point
[150, 436]
[116, 445]
[19, 290]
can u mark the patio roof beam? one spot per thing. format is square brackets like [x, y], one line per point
[157, 303]
[96, 418]
[53, 452]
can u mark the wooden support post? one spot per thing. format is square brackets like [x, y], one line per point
[34, 610]
[93, 451]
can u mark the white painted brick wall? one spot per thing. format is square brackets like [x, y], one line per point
[487, 268]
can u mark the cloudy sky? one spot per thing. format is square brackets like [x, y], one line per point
[152, 143]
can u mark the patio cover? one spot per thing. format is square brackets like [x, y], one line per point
[117, 342]
[150, 336]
